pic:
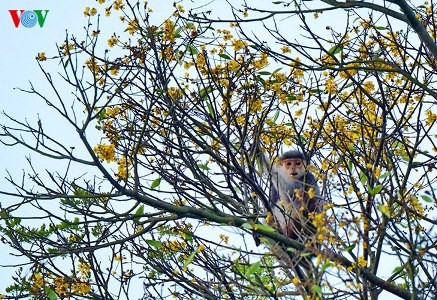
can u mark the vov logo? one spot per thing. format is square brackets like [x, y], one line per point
[28, 18]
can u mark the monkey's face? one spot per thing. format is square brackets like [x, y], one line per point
[293, 167]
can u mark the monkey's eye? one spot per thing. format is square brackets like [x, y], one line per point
[288, 163]
[298, 163]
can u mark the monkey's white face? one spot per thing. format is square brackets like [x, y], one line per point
[293, 168]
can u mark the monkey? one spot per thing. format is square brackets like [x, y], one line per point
[294, 194]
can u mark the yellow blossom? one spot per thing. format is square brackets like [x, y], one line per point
[38, 281]
[118, 5]
[285, 49]
[233, 65]
[331, 85]
[61, 285]
[81, 288]
[362, 262]
[225, 238]
[311, 193]
[105, 152]
[41, 56]
[298, 112]
[238, 44]
[180, 8]
[84, 269]
[112, 41]
[430, 117]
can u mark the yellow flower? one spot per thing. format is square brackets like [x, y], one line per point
[86, 11]
[112, 41]
[118, 4]
[81, 288]
[331, 85]
[238, 44]
[180, 8]
[119, 257]
[41, 56]
[362, 262]
[132, 26]
[233, 65]
[285, 49]
[311, 193]
[122, 170]
[175, 93]
[105, 152]
[430, 117]
[61, 285]
[225, 238]
[84, 269]
[38, 281]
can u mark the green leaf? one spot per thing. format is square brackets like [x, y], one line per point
[247, 226]
[192, 49]
[317, 289]
[210, 109]
[278, 2]
[264, 73]
[155, 183]
[225, 56]
[376, 190]
[155, 244]
[415, 164]
[397, 270]
[203, 167]
[264, 228]
[385, 175]
[203, 93]
[326, 266]
[349, 248]
[426, 198]
[66, 62]
[335, 49]
[138, 213]
[381, 28]
[277, 70]
[177, 32]
[363, 178]
[291, 97]
[385, 209]
[51, 295]
[265, 241]
[190, 258]
[252, 269]
[276, 116]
